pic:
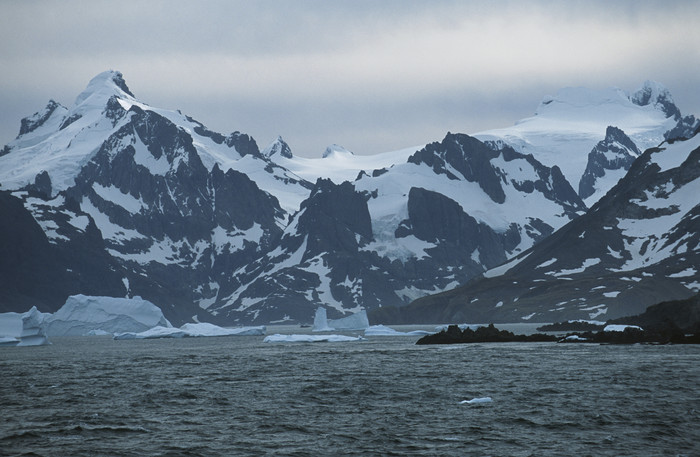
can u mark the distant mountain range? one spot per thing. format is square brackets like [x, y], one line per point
[114, 197]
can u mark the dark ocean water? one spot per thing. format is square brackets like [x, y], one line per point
[228, 396]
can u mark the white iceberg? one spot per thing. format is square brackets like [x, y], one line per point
[151, 333]
[23, 329]
[382, 330]
[573, 338]
[201, 329]
[357, 321]
[83, 315]
[476, 401]
[620, 328]
[277, 338]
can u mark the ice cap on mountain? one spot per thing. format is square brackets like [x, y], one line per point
[657, 95]
[336, 150]
[103, 86]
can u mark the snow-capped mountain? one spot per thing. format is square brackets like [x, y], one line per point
[114, 197]
[152, 185]
[608, 162]
[451, 211]
[567, 126]
[336, 163]
[639, 245]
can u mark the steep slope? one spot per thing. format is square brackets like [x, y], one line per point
[51, 254]
[639, 245]
[161, 197]
[608, 162]
[566, 127]
[452, 210]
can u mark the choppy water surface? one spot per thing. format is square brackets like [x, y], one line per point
[384, 396]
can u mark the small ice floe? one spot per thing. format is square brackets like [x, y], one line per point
[573, 339]
[201, 329]
[383, 330]
[476, 401]
[277, 338]
[620, 328]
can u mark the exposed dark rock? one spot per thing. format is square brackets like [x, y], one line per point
[41, 185]
[33, 122]
[617, 151]
[118, 79]
[466, 155]
[655, 94]
[69, 120]
[684, 314]
[666, 333]
[243, 143]
[454, 335]
[686, 128]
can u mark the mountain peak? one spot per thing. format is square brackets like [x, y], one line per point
[656, 94]
[336, 151]
[279, 146]
[103, 86]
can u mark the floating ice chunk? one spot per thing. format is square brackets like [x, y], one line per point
[382, 330]
[8, 341]
[155, 332]
[476, 401]
[206, 329]
[357, 321]
[200, 329]
[573, 338]
[25, 329]
[321, 320]
[82, 314]
[277, 338]
[620, 328]
[33, 329]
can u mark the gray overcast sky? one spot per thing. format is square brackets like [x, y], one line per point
[372, 76]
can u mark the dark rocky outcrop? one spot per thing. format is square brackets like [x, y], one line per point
[616, 152]
[36, 120]
[454, 335]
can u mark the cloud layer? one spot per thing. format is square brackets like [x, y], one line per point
[372, 76]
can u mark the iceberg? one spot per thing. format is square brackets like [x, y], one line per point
[382, 330]
[26, 329]
[620, 328]
[277, 338]
[151, 333]
[476, 401]
[357, 321]
[201, 329]
[83, 315]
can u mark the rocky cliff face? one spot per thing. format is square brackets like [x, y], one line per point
[639, 245]
[113, 197]
[607, 163]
